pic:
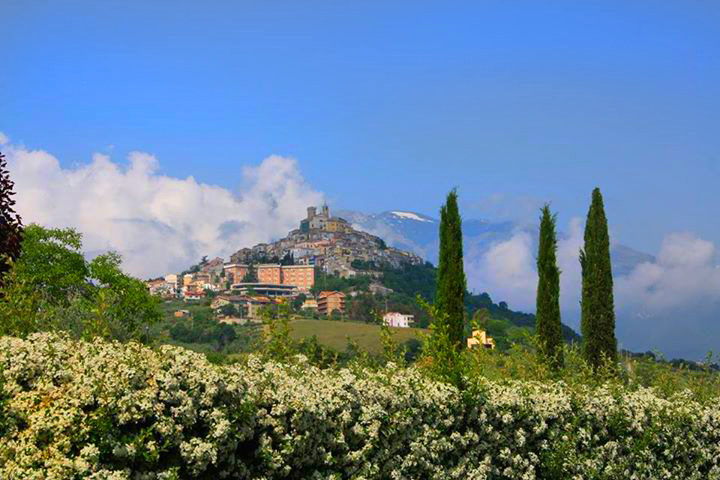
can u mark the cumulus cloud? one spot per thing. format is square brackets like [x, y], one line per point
[3, 138]
[506, 270]
[159, 224]
[671, 304]
[674, 304]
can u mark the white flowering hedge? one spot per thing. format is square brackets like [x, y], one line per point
[101, 410]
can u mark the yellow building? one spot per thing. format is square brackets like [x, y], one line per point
[480, 338]
[335, 224]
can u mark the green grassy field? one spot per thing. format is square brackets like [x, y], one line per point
[334, 334]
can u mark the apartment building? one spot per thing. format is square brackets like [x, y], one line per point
[270, 273]
[330, 301]
[235, 272]
[300, 276]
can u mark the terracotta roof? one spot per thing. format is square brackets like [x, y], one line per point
[328, 293]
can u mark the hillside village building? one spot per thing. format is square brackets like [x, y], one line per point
[172, 280]
[191, 294]
[396, 319]
[328, 302]
[323, 221]
[214, 266]
[269, 274]
[235, 272]
[268, 289]
[300, 276]
[310, 304]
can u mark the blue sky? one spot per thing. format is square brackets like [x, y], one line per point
[388, 105]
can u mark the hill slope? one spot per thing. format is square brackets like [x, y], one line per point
[335, 335]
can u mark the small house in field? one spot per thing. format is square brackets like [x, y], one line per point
[480, 338]
[396, 319]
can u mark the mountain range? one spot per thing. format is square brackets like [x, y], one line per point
[418, 233]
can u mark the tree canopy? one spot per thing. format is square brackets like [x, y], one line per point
[52, 286]
[10, 221]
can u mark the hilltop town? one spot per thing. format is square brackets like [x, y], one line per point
[329, 243]
[261, 275]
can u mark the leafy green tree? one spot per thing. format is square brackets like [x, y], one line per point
[250, 276]
[129, 305]
[481, 318]
[53, 263]
[228, 310]
[10, 222]
[298, 301]
[549, 326]
[451, 286]
[50, 274]
[277, 342]
[287, 259]
[598, 310]
[51, 286]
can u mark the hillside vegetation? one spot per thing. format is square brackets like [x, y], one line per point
[410, 281]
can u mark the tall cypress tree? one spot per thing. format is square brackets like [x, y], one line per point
[10, 222]
[451, 286]
[549, 327]
[598, 309]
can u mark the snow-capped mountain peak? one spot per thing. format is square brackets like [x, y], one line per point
[411, 216]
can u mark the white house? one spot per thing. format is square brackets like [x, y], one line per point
[395, 319]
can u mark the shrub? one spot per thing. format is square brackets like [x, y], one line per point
[78, 409]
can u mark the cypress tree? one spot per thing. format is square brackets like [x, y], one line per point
[10, 222]
[450, 295]
[598, 310]
[549, 327]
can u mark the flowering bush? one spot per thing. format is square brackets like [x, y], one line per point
[73, 409]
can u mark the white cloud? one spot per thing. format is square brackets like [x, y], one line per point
[507, 270]
[684, 272]
[158, 223]
[674, 303]
[3, 138]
